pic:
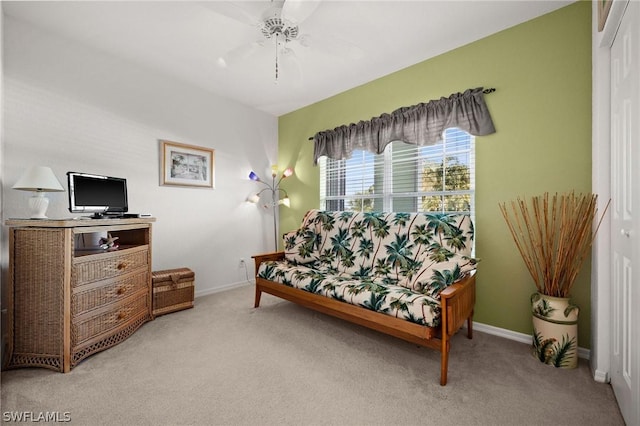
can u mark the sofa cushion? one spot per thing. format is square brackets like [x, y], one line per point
[372, 292]
[424, 252]
[301, 245]
[434, 277]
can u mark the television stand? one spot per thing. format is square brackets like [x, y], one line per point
[66, 303]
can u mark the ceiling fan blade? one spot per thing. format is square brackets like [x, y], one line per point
[298, 10]
[236, 55]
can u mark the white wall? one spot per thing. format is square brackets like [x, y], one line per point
[76, 109]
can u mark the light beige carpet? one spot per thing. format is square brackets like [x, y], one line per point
[225, 363]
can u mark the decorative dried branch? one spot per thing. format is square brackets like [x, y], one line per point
[553, 237]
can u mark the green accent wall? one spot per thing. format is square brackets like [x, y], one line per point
[541, 70]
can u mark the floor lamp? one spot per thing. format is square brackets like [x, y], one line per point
[273, 189]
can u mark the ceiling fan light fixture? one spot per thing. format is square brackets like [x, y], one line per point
[276, 26]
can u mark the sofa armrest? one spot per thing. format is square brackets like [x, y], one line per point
[259, 258]
[450, 291]
[457, 302]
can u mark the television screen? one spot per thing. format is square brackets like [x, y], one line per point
[96, 194]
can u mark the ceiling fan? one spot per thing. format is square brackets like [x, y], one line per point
[278, 25]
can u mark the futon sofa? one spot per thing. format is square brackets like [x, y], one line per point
[410, 275]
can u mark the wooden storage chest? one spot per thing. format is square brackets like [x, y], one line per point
[173, 290]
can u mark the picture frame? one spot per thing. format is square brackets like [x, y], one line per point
[186, 165]
[604, 6]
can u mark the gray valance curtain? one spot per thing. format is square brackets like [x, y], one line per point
[421, 124]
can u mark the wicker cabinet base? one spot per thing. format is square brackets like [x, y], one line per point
[65, 302]
[173, 290]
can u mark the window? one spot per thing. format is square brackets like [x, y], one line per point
[405, 178]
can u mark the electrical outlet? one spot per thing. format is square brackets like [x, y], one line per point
[242, 262]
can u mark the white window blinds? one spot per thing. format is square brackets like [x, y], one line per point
[404, 178]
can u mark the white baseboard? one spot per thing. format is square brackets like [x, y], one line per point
[518, 337]
[601, 376]
[231, 286]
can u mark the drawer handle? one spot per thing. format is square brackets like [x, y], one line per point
[121, 290]
[121, 315]
[121, 266]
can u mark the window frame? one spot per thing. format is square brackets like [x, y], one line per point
[450, 149]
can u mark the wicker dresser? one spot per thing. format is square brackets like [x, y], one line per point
[69, 301]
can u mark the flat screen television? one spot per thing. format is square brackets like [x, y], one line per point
[100, 195]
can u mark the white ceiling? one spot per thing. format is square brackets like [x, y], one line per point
[350, 42]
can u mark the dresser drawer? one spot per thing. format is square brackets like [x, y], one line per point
[98, 267]
[116, 316]
[92, 296]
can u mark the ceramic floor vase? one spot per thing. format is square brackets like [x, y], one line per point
[555, 330]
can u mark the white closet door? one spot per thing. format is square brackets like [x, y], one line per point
[625, 232]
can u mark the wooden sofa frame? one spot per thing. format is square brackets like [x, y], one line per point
[457, 304]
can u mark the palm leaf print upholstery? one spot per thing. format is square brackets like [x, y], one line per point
[393, 263]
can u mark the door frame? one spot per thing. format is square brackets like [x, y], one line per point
[601, 313]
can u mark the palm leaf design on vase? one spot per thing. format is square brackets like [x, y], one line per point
[550, 351]
[564, 352]
[543, 308]
[543, 348]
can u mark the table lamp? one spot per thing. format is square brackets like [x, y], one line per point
[38, 179]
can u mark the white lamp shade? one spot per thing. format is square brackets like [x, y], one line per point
[38, 178]
[285, 202]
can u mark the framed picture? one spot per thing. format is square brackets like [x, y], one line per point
[186, 165]
[603, 11]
